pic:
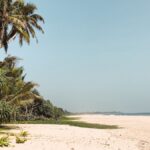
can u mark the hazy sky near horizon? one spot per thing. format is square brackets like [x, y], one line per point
[94, 55]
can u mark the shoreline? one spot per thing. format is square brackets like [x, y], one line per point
[112, 114]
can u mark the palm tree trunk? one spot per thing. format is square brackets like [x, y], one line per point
[2, 27]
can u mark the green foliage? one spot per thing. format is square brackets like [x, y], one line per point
[58, 112]
[88, 125]
[18, 19]
[14, 91]
[70, 121]
[5, 112]
[24, 100]
[13, 88]
[20, 140]
[4, 141]
[21, 137]
[24, 134]
[44, 108]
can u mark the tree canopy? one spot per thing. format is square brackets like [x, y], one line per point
[18, 19]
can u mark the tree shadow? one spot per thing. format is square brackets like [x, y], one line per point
[8, 127]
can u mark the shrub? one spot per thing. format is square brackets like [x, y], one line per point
[20, 140]
[5, 112]
[24, 133]
[58, 113]
[44, 108]
[4, 141]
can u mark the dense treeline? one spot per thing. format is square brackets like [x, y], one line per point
[19, 99]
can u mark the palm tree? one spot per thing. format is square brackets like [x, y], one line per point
[18, 19]
[12, 84]
[14, 91]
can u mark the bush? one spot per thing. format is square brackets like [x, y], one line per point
[44, 108]
[20, 140]
[24, 133]
[5, 112]
[58, 113]
[4, 141]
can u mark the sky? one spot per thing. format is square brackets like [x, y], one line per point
[94, 55]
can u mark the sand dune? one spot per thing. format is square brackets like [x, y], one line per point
[134, 135]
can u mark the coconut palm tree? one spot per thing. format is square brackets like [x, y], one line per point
[12, 84]
[14, 91]
[18, 19]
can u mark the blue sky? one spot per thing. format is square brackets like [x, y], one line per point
[94, 55]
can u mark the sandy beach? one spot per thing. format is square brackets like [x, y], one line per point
[134, 134]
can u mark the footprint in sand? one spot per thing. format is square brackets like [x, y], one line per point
[144, 145]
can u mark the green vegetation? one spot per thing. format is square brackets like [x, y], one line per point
[4, 141]
[21, 137]
[19, 100]
[20, 140]
[18, 18]
[24, 134]
[69, 121]
[89, 125]
[5, 112]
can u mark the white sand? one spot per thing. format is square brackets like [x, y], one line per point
[134, 135]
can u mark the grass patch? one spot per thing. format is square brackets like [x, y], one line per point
[72, 121]
[20, 140]
[21, 137]
[24, 134]
[89, 125]
[4, 141]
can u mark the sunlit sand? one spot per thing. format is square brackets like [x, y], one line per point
[133, 134]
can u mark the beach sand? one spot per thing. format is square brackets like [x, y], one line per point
[134, 134]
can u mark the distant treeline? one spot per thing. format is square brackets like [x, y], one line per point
[114, 113]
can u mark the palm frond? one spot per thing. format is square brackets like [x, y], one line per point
[21, 19]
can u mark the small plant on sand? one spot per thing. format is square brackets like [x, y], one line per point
[24, 134]
[20, 140]
[4, 141]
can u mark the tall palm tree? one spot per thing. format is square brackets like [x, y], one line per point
[18, 19]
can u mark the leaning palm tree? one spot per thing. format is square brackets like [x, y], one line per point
[18, 19]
